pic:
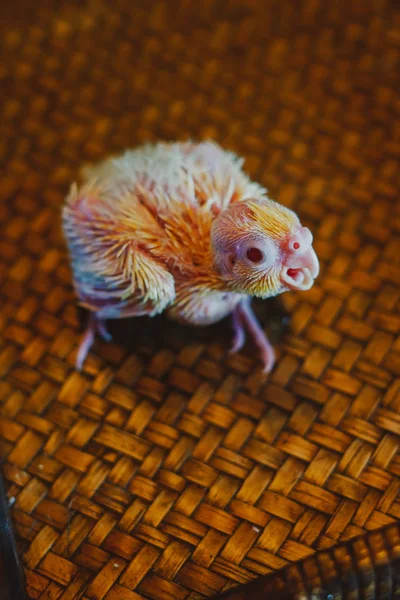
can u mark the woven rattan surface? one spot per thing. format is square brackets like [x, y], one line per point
[169, 469]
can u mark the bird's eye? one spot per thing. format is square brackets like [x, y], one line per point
[296, 246]
[254, 255]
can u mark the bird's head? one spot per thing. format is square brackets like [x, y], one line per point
[261, 249]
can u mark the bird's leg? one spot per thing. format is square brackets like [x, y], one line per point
[260, 339]
[86, 342]
[94, 326]
[103, 331]
[239, 335]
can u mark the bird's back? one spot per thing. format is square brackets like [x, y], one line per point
[169, 175]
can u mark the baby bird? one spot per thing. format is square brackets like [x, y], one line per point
[180, 228]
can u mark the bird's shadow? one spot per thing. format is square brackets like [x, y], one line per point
[153, 334]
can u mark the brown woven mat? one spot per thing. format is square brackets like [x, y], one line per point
[168, 469]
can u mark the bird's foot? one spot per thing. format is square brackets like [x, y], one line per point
[267, 352]
[239, 335]
[243, 316]
[94, 326]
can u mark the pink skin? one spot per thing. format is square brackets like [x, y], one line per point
[300, 263]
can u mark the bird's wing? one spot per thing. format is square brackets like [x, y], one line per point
[113, 246]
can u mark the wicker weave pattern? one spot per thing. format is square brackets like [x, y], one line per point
[167, 468]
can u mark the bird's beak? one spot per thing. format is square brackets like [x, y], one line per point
[300, 267]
